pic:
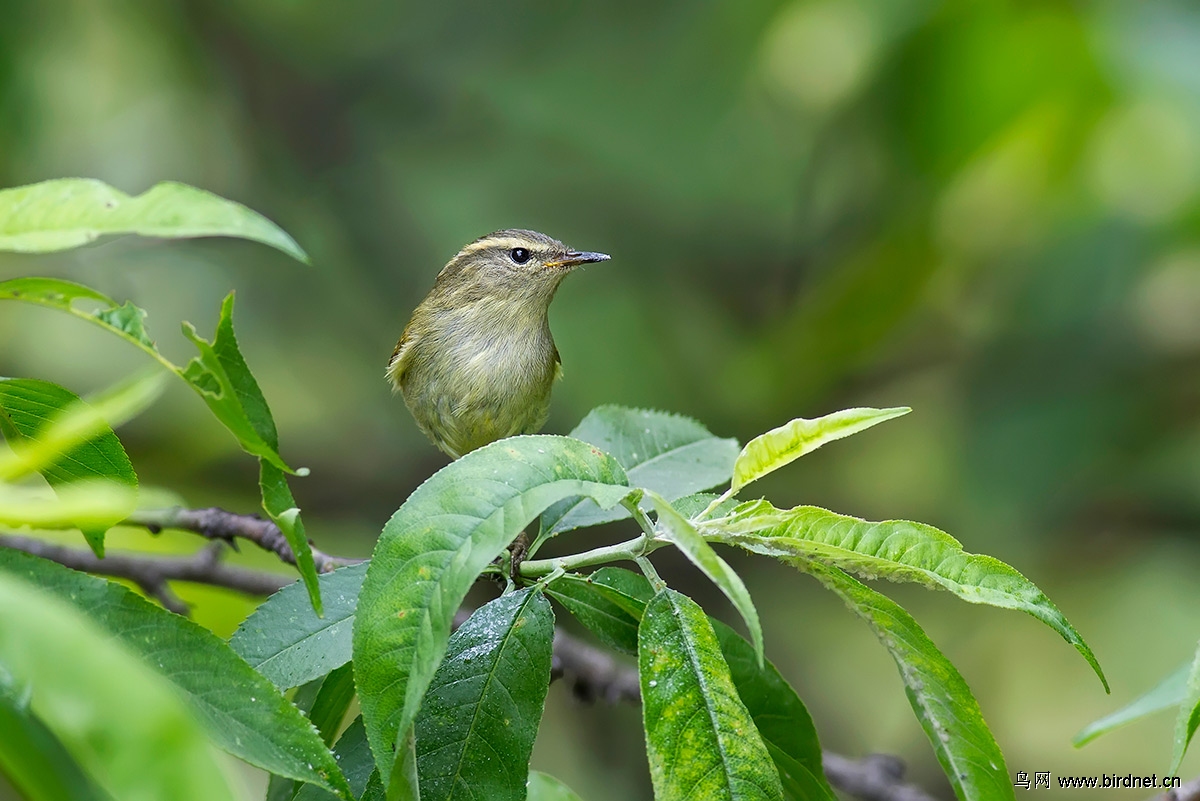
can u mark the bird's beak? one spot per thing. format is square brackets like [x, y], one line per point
[574, 257]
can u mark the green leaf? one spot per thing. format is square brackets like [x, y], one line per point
[353, 753]
[431, 552]
[325, 702]
[784, 445]
[242, 711]
[35, 761]
[700, 738]
[684, 536]
[780, 716]
[476, 727]
[667, 453]
[1189, 715]
[939, 695]
[544, 787]
[45, 423]
[1167, 694]
[283, 638]
[694, 506]
[69, 212]
[599, 608]
[119, 719]
[81, 505]
[28, 409]
[125, 321]
[898, 550]
[222, 379]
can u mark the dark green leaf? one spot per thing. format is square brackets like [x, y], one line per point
[242, 711]
[1167, 694]
[476, 727]
[667, 453]
[898, 550]
[599, 608]
[353, 754]
[121, 721]
[325, 702]
[684, 535]
[28, 407]
[701, 740]
[937, 692]
[69, 212]
[285, 640]
[781, 718]
[431, 552]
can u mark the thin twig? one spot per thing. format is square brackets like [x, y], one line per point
[875, 777]
[218, 524]
[1187, 792]
[154, 573]
[594, 674]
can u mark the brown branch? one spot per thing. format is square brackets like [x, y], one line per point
[594, 674]
[1186, 792]
[154, 573]
[218, 524]
[875, 777]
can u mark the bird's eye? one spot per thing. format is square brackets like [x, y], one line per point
[519, 255]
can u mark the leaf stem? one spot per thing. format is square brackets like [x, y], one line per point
[628, 551]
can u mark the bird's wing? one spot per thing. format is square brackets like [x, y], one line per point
[399, 360]
[558, 371]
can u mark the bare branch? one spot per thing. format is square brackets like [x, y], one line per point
[875, 777]
[218, 524]
[153, 573]
[1187, 792]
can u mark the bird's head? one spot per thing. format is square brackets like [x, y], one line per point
[513, 263]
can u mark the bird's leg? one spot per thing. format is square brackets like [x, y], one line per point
[518, 551]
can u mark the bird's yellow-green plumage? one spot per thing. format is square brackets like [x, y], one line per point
[476, 362]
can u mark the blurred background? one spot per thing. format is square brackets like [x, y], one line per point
[984, 210]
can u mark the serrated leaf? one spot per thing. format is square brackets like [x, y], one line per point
[325, 702]
[687, 539]
[898, 550]
[1167, 694]
[694, 506]
[242, 711]
[431, 552]
[126, 321]
[29, 410]
[781, 446]
[118, 718]
[69, 212]
[281, 507]
[544, 787]
[939, 695]
[35, 762]
[353, 754]
[283, 638]
[700, 738]
[476, 726]
[1189, 715]
[667, 453]
[782, 719]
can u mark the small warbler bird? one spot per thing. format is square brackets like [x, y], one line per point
[476, 362]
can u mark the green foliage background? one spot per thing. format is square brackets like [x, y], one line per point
[984, 210]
